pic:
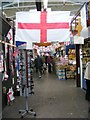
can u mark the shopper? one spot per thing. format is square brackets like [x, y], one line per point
[39, 64]
[53, 64]
[87, 78]
[35, 64]
[46, 59]
[49, 59]
[44, 64]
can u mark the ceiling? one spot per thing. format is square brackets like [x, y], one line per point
[10, 7]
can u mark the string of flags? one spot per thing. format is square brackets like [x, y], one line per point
[51, 47]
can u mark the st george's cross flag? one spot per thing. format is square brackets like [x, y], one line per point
[42, 26]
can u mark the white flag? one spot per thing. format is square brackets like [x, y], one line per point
[83, 16]
[42, 26]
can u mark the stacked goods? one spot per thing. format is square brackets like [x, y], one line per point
[61, 74]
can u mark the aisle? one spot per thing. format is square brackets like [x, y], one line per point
[53, 98]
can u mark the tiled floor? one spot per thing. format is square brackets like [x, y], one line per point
[53, 98]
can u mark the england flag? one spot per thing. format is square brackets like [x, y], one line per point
[42, 26]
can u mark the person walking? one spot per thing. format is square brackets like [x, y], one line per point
[44, 65]
[35, 64]
[49, 63]
[39, 64]
[87, 78]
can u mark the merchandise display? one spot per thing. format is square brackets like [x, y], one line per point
[66, 64]
[26, 79]
[85, 59]
[61, 68]
[70, 72]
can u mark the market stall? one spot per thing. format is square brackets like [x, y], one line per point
[66, 62]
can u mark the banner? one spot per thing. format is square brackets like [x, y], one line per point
[42, 26]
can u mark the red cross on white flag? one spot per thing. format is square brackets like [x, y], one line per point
[42, 26]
